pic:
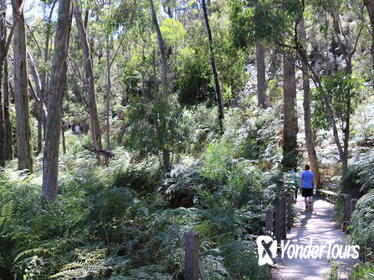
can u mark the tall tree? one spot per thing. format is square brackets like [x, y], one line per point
[8, 153]
[55, 98]
[2, 58]
[214, 69]
[290, 127]
[41, 106]
[337, 89]
[24, 149]
[108, 87]
[370, 8]
[261, 78]
[90, 82]
[41, 109]
[164, 79]
[309, 136]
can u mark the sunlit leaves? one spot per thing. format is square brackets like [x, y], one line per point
[343, 92]
[172, 31]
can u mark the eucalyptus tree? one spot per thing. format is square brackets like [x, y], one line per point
[251, 26]
[44, 71]
[336, 88]
[6, 150]
[8, 135]
[55, 99]
[89, 79]
[308, 129]
[2, 58]
[217, 87]
[164, 79]
[258, 22]
[290, 124]
[261, 74]
[23, 131]
[370, 8]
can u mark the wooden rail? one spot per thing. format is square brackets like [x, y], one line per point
[349, 204]
[329, 195]
[279, 218]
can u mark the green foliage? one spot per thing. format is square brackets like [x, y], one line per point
[364, 271]
[6, 214]
[173, 32]
[362, 224]
[343, 93]
[164, 122]
[261, 19]
[141, 178]
[359, 179]
[193, 77]
[109, 223]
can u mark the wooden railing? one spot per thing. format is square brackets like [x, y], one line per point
[278, 220]
[349, 204]
[279, 217]
[329, 195]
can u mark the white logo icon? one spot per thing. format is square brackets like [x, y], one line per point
[267, 249]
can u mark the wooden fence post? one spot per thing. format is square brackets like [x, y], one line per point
[289, 211]
[280, 228]
[348, 207]
[191, 262]
[283, 214]
[269, 219]
[353, 204]
[277, 222]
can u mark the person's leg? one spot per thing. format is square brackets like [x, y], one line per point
[310, 199]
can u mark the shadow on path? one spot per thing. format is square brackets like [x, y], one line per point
[318, 226]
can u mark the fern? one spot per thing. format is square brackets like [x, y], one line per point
[6, 214]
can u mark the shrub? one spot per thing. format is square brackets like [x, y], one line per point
[362, 222]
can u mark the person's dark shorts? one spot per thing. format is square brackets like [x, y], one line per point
[306, 192]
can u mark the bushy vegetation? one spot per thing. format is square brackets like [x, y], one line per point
[126, 221]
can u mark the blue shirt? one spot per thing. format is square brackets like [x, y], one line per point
[307, 179]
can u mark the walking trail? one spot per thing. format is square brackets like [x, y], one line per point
[318, 225]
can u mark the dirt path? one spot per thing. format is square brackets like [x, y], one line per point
[318, 225]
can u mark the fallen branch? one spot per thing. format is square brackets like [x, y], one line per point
[106, 153]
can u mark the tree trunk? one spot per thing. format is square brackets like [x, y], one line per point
[347, 128]
[41, 109]
[94, 120]
[309, 136]
[24, 149]
[290, 127]
[343, 156]
[370, 7]
[214, 69]
[107, 93]
[2, 58]
[63, 138]
[7, 124]
[44, 71]
[55, 98]
[164, 80]
[261, 78]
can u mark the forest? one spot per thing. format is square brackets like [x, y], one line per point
[125, 124]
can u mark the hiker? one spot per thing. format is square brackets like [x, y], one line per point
[295, 181]
[77, 129]
[307, 182]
